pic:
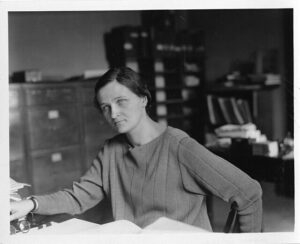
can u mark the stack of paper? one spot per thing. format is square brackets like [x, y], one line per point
[14, 187]
[78, 226]
[238, 131]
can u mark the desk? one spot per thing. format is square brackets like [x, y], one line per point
[78, 226]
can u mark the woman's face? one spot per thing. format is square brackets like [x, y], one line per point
[122, 108]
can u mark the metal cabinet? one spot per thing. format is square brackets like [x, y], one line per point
[51, 94]
[55, 132]
[53, 126]
[18, 169]
[55, 169]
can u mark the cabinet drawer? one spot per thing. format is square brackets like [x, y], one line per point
[87, 94]
[15, 97]
[16, 141]
[54, 170]
[50, 95]
[18, 171]
[53, 127]
[96, 129]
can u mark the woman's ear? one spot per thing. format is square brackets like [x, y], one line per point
[144, 101]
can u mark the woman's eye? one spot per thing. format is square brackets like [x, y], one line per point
[121, 101]
[104, 108]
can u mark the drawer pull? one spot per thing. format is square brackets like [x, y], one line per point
[161, 110]
[160, 82]
[160, 96]
[53, 114]
[56, 157]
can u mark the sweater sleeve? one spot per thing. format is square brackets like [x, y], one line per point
[84, 194]
[201, 169]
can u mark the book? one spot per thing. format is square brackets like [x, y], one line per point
[272, 79]
[214, 111]
[267, 148]
[244, 109]
[238, 131]
[236, 111]
[225, 111]
[30, 75]
[211, 110]
[78, 226]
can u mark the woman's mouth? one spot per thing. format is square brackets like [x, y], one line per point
[118, 123]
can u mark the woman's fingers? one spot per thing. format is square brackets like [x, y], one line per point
[20, 209]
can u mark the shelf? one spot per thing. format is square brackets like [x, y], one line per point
[174, 101]
[239, 88]
[178, 87]
[176, 72]
[175, 69]
[180, 116]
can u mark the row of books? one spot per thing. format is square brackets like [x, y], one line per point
[228, 110]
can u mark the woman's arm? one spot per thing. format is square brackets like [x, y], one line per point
[83, 195]
[221, 178]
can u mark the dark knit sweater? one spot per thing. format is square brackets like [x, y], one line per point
[170, 176]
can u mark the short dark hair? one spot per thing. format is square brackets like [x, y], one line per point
[127, 77]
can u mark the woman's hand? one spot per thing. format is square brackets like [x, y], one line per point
[20, 209]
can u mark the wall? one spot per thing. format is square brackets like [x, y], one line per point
[62, 44]
[67, 43]
[234, 35]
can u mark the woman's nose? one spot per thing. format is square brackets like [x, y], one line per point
[114, 111]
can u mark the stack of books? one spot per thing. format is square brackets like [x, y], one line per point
[267, 148]
[273, 79]
[238, 131]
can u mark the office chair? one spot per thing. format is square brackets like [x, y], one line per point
[232, 225]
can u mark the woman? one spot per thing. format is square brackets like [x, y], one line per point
[149, 170]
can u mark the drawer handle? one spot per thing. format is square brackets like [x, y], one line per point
[53, 114]
[160, 82]
[160, 96]
[56, 157]
[161, 110]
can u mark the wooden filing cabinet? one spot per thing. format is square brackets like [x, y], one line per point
[53, 126]
[18, 168]
[55, 169]
[55, 132]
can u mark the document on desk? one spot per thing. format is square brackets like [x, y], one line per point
[77, 226]
[71, 226]
[164, 224]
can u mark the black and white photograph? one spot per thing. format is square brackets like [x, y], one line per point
[170, 122]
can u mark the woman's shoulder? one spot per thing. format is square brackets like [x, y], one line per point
[176, 134]
[183, 140]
